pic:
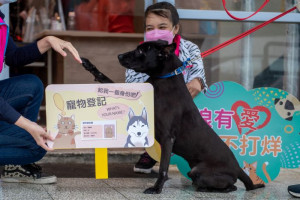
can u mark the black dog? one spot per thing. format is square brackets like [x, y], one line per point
[179, 127]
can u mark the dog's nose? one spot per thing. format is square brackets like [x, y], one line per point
[139, 133]
[120, 57]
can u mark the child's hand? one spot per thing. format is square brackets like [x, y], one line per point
[194, 87]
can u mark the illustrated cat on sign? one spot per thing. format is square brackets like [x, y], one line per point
[250, 170]
[65, 137]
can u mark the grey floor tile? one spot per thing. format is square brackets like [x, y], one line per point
[130, 182]
[82, 188]
[87, 193]
[22, 191]
[167, 193]
[77, 183]
[177, 187]
[178, 182]
[272, 191]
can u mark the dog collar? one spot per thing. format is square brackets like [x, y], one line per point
[177, 71]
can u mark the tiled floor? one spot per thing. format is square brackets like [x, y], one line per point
[132, 188]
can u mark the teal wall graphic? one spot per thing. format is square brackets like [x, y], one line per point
[261, 127]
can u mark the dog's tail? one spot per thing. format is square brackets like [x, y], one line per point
[247, 181]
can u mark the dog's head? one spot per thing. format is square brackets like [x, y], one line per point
[287, 107]
[137, 125]
[154, 58]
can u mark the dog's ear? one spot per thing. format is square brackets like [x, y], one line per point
[276, 101]
[144, 114]
[169, 49]
[130, 113]
[289, 105]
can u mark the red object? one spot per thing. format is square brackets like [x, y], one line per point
[106, 15]
[120, 16]
[228, 42]
[240, 19]
[177, 39]
[245, 105]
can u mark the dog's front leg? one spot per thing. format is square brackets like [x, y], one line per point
[166, 150]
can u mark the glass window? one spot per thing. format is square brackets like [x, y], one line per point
[29, 18]
[267, 58]
[232, 5]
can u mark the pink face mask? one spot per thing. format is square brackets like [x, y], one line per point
[157, 34]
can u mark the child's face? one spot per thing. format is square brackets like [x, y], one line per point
[157, 22]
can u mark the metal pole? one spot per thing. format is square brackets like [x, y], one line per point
[148, 3]
[291, 64]
[247, 64]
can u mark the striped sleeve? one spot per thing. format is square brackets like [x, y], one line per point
[197, 71]
[135, 77]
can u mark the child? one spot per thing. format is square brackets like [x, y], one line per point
[162, 22]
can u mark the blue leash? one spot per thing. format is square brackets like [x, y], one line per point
[177, 71]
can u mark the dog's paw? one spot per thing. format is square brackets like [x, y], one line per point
[152, 190]
[259, 186]
[256, 187]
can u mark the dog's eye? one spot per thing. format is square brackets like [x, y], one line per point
[149, 47]
[134, 126]
[143, 125]
[140, 51]
[288, 114]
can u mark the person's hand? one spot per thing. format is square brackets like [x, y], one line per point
[194, 87]
[59, 46]
[37, 132]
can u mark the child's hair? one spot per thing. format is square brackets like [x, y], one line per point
[164, 9]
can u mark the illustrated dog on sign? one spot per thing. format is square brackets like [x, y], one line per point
[137, 130]
[287, 107]
[179, 128]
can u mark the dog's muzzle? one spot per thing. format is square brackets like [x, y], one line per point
[120, 57]
[123, 61]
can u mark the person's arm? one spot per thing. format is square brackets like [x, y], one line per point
[20, 56]
[8, 113]
[59, 46]
[196, 81]
[37, 132]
